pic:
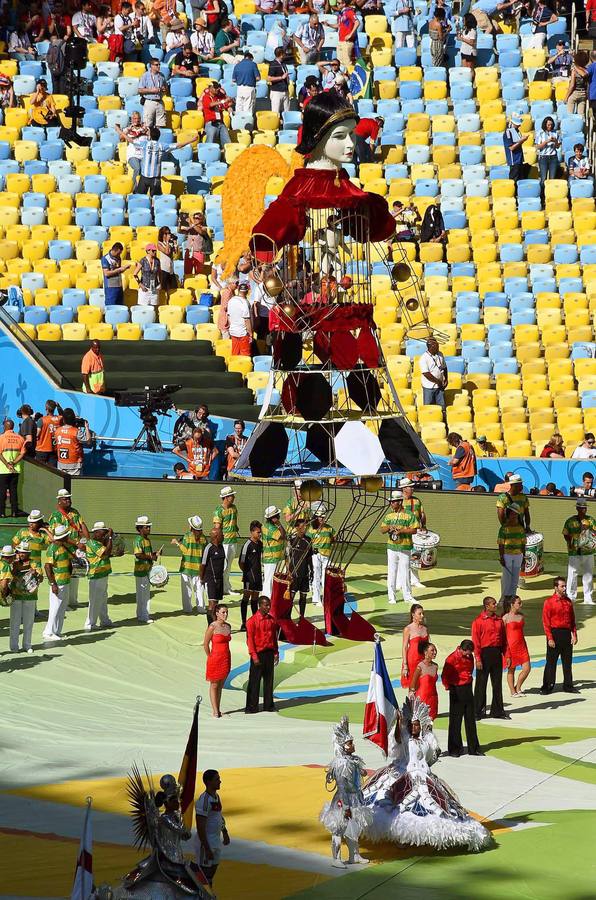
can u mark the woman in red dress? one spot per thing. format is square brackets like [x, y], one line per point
[424, 679]
[414, 634]
[219, 661]
[516, 653]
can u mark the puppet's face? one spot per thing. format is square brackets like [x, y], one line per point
[338, 144]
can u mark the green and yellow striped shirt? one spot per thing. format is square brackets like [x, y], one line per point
[414, 506]
[38, 542]
[512, 539]
[321, 538]
[5, 569]
[142, 566]
[573, 529]
[228, 519]
[74, 519]
[192, 552]
[401, 519]
[99, 564]
[59, 555]
[19, 591]
[505, 500]
[274, 543]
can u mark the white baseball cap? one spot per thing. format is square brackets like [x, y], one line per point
[227, 492]
[35, 515]
[318, 509]
[195, 522]
[63, 494]
[60, 531]
[396, 495]
[142, 521]
[7, 550]
[515, 479]
[405, 482]
[23, 547]
[100, 526]
[272, 511]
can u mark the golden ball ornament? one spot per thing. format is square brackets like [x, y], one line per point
[400, 272]
[372, 484]
[310, 490]
[273, 285]
[412, 304]
[289, 310]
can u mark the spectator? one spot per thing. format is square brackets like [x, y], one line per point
[202, 41]
[590, 7]
[309, 89]
[554, 449]
[112, 268]
[164, 13]
[278, 79]
[133, 134]
[551, 490]
[176, 39]
[122, 43]
[578, 165]
[235, 444]
[403, 28]
[167, 247]
[347, 28]
[591, 71]
[463, 461]
[152, 87]
[12, 450]
[226, 44]
[407, 218]
[198, 244]
[560, 62]
[199, 453]
[92, 370]
[367, 135]
[483, 448]
[151, 160]
[42, 108]
[513, 141]
[446, 7]
[190, 420]
[27, 429]
[84, 22]
[104, 26]
[485, 12]
[586, 488]
[267, 7]
[239, 322]
[468, 38]
[186, 63]
[438, 29]
[144, 33]
[147, 271]
[45, 450]
[7, 97]
[309, 39]
[212, 11]
[432, 230]
[577, 91]
[69, 446]
[547, 143]
[214, 101]
[587, 448]
[58, 22]
[434, 375]
[246, 75]
[542, 16]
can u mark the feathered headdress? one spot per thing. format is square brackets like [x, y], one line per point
[341, 735]
[142, 801]
[415, 710]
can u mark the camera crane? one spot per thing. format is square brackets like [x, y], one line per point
[149, 401]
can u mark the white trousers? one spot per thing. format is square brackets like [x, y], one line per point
[154, 113]
[246, 99]
[191, 588]
[98, 602]
[268, 573]
[510, 574]
[414, 580]
[398, 574]
[230, 551]
[58, 603]
[73, 594]
[22, 613]
[404, 39]
[319, 564]
[280, 102]
[143, 591]
[584, 566]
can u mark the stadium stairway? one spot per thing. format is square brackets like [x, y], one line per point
[132, 366]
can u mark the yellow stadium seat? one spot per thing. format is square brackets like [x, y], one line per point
[507, 381]
[15, 117]
[577, 318]
[33, 250]
[539, 253]
[435, 90]
[121, 184]
[25, 150]
[28, 329]
[495, 156]
[207, 332]
[555, 352]
[410, 73]
[519, 449]
[74, 331]
[17, 183]
[87, 250]
[431, 253]
[59, 218]
[562, 384]
[89, 315]
[584, 334]
[430, 413]
[128, 331]
[170, 315]
[547, 319]
[107, 102]
[555, 189]
[374, 24]
[46, 298]
[539, 90]
[49, 332]
[180, 297]
[444, 156]
[182, 332]
[241, 364]
[98, 53]
[101, 332]
[87, 201]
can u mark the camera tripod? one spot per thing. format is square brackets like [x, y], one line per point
[148, 438]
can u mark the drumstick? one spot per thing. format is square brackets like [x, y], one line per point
[160, 550]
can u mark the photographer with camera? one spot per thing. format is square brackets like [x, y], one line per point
[69, 446]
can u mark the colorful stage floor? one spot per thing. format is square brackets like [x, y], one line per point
[76, 716]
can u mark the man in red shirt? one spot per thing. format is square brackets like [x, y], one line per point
[214, 101]
[488, 634]
[558, 621]
[346, 27]
[366, 135]
[457, 679]
[261, 637]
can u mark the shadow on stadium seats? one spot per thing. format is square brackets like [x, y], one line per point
[22, 662]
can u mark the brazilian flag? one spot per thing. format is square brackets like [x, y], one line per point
[361, 81]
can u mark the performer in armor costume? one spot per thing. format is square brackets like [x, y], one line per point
[410, 805]
[164, 874]
[345, 816]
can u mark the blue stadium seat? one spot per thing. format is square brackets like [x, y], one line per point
[155, 332]
[197, 315]
[61, 315]
[73, 298]
[35, 315]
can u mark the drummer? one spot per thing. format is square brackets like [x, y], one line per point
[514, 495]
[144, 559]
[576, 530]
[36, 535]
[295, 508]
[58, 569]
[512, 546]
[191, 546]
[414, 505]
[98, 551]
[66, 514]
[24, 597]
[399, 525]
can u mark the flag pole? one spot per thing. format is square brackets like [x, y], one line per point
[88, 801]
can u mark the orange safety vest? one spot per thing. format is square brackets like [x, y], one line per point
[466, 466]
[199, 458]
[45, 442]
[68, 445]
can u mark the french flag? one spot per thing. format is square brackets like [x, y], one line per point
[381, 705]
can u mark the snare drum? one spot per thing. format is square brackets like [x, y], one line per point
[586, 542]
[158, 576]
[80, 566]
[533, 562]
[30, 579]
[118, 545]
[424, 552]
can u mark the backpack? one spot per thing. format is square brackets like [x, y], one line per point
[55, 59]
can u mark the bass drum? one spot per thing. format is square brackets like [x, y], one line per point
[158, 576]
[424, 550]
[118, 545]
[533, 562]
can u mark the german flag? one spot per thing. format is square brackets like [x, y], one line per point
[188, 770]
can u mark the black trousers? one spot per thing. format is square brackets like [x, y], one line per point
[461, 706]
[563, 648]
[257, 672]
[362, 150]
[153, 185]
[518, 171]
[9, 482]
[492, 665]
